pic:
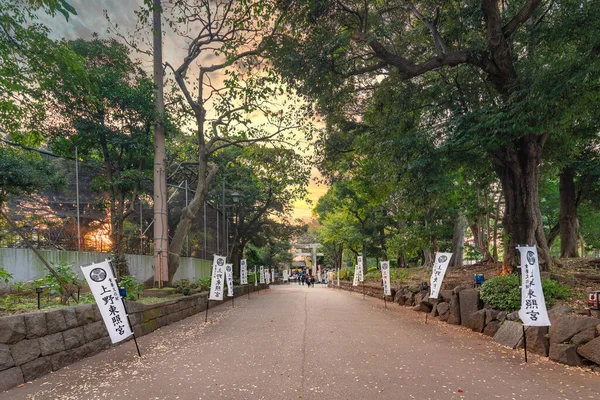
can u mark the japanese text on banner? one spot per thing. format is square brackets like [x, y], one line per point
[243, 272]
[439, 270]
[218, 278]
[262, 274]
[533, 310]
[104, 287]
[229, 278]
[385, 276]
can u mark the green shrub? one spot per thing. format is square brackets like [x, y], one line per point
[10, 302]
[375, 275]
[204, 283]
[132, 287]
[554, 291]
[20, 287]
[68, 278]
[346, 274]
[183, 286]
[399, 275]
[5, 276]
[373, 268]
[503, 292]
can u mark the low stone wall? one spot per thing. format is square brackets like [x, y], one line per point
[571, 339]
[34, 344]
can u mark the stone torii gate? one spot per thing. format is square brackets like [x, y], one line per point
[312, 247]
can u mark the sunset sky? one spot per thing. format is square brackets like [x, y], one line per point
[90, 19]
[302, 209]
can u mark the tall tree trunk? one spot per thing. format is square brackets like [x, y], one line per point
[554, 232]
[583, 253]
[364, 256]
[427, 258]
[161, 220]
[518, 168]
[383, 243]
[190, 213]
[458, 239]
[496, 220]
[480, 238]
[118, 220]
[479, 242]
[401, 260]
[569, 224]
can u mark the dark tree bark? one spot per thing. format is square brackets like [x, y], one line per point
[427, 258]
[338, 250]
[569, 224]
[480, 241]
[401, 260]
[554, 231]
[458, 239]
[496, 220]
[519, 169]
[162, 272]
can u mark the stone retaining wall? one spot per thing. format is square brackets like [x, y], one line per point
[571, 339]
[34, 344]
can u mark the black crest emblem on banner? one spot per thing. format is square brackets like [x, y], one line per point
[228, 268]
[220, 262]
[442, 259]
[530, 257]
[98, 274]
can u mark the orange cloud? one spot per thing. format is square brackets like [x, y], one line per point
[302, 208]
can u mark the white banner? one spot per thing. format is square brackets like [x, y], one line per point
[104, 287]
[361, 272]
[338, 277]
[385, 276]
[286, 275]
[255, 280]
[439, 270]
[218, 278]
[229, 279]
[533, 310]
[267, 276]
[272, 276]
[243, 272]
[356, 275]
[262, 274]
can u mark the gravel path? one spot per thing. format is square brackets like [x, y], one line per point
[293, 342]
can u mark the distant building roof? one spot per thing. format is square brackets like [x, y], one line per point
[299, 264]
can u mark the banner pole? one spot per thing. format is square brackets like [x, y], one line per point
[207, 306]
[233, 300]
[525, 342]
[137, 347]
[126, 314]
[363, 289]
[523, 326]
[384, 301]
[248, 287]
